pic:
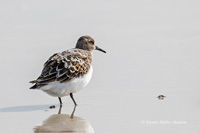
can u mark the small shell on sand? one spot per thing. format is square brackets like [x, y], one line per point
[161, 97]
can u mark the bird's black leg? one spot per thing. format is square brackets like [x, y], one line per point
[60, 101]
[71, 95]
[60, 105]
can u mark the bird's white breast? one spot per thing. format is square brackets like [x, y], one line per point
[58, 89]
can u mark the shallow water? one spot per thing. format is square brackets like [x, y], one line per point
[152, 49]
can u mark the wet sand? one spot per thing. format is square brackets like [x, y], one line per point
[152, 49]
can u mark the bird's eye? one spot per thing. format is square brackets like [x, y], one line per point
[92, 42]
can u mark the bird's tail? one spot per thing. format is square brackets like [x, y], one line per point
[35, 86]
[33, 81]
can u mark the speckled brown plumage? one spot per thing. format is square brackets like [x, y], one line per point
[64, 67]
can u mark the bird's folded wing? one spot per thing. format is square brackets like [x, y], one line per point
[63, 67]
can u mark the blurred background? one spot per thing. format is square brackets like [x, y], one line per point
[152, 49]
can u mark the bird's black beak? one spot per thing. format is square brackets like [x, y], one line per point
[97, 48]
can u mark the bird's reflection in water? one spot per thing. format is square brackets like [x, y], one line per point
[64, 123]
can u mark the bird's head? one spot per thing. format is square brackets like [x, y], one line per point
[87, 43]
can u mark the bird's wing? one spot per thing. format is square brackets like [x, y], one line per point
[64, 67]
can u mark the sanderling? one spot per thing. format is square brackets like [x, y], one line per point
[68, 72]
